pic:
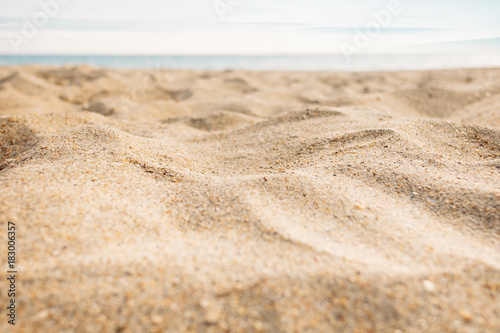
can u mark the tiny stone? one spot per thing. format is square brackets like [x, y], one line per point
[466, 315]
[429, 286]
[40, 315]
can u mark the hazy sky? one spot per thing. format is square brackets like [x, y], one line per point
[245, 27]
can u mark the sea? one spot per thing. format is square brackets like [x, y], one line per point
[334, 62]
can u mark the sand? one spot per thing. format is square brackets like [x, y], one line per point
[203, 201]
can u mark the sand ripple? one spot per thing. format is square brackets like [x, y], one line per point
[242, 202]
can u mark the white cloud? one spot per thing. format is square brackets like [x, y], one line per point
[255, 26]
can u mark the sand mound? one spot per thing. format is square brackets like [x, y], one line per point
[219, 121]
[71, 75]
[15, 140]
[485, 112]
[437, 103]
[245, 202]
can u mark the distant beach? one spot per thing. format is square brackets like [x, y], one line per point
[336, 62]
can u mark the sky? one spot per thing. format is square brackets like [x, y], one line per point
[182, 27]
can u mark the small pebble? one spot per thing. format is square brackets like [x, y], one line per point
[429, 286]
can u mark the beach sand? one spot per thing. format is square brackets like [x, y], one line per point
[204, 201]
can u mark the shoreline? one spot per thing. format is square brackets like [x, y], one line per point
[314, 62]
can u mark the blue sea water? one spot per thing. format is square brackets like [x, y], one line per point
[361, 62]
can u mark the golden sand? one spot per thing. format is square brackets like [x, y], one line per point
[172, 201]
